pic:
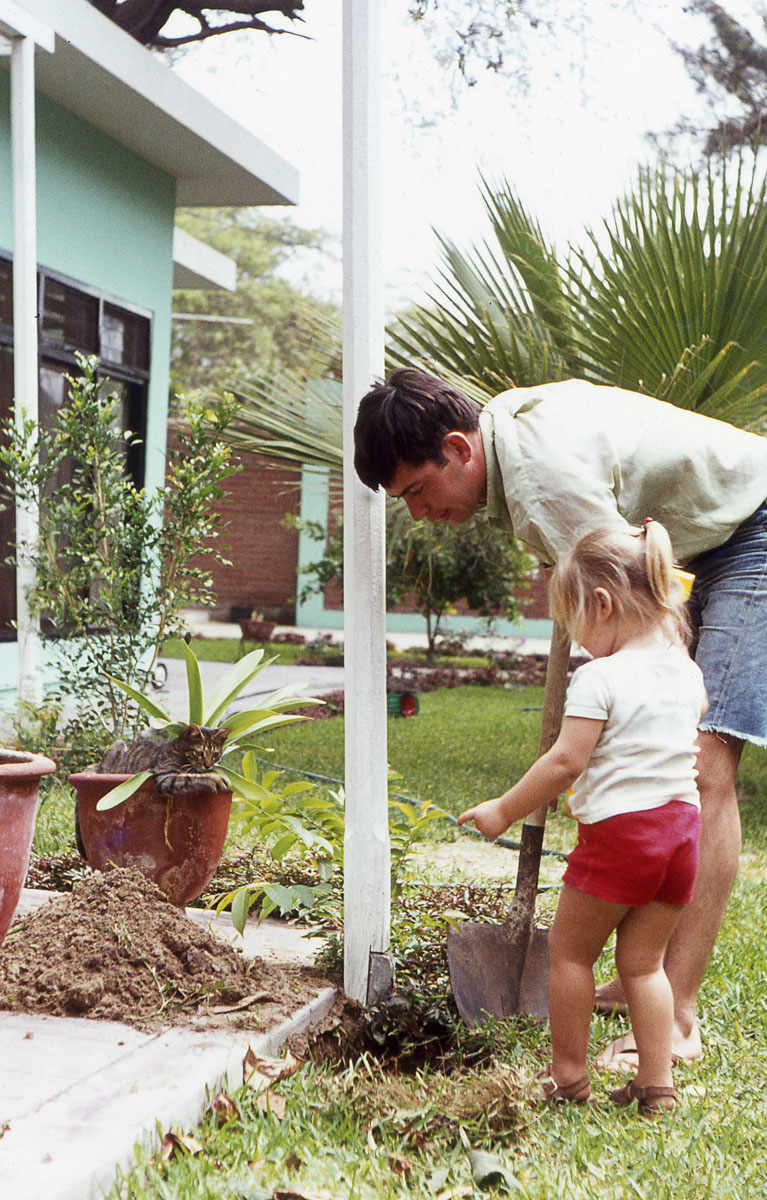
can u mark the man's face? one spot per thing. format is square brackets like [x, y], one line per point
[448, 492]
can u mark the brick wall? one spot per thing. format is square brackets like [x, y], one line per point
[263, 554]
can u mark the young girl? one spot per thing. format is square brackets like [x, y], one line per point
[628, 749]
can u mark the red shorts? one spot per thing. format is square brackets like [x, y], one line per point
[638, 857]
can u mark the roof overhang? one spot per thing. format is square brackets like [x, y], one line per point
[197, 265]
[108, 79]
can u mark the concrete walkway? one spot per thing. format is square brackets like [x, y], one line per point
[308, 681]
[77, 1095]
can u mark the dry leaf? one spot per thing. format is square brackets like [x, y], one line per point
[172, 1142]
[272, 1102]
[260, 1072]
[281, 1194]
[246, 1002]
[400, 1164]
[223, 1108]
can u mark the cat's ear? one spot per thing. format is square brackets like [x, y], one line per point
[192, 731]
[221, 735]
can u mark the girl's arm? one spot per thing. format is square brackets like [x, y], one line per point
[549, 776]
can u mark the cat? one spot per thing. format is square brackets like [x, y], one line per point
[181, 764]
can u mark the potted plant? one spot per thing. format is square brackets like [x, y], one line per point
[20, 775]
[256, 629]
[176, 838]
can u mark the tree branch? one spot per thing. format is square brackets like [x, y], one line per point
[145, 19]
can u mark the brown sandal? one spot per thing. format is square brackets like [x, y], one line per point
[554, 1093]
[649, 1099]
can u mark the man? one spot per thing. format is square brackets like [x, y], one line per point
[549, 462]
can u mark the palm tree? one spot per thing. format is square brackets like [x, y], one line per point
[669, 297]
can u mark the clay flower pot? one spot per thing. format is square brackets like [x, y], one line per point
[20, 776]
[257, 631]
[174, 840]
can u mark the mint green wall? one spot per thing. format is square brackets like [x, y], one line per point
[105, 219]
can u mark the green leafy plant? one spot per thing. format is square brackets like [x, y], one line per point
[300, 816]
[211, 712]
[115, 564]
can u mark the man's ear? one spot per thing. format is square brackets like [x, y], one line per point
[459, 444]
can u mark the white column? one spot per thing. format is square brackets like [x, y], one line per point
[25, 331]
[368, 970]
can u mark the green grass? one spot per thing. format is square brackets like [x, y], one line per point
[359, 1134]
[465, 744]
[231, 650]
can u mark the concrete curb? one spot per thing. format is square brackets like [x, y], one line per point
[73, 1145]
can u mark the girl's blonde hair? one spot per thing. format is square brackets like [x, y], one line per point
[637, 569]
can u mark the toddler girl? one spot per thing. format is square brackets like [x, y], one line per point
[628, 749]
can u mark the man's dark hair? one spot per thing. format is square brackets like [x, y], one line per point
[406, 420]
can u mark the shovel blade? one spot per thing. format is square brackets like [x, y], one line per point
[495, 974]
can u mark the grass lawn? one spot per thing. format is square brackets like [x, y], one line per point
[360, 1131]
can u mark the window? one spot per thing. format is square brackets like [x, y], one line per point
[73, 318]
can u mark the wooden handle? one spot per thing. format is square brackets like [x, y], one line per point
[553, 704]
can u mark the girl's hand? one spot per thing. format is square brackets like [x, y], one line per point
[488, 818]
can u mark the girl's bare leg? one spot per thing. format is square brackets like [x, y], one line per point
[643, 936]
[581, 928]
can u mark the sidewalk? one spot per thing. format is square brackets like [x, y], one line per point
[78, 1094]
[199, 623]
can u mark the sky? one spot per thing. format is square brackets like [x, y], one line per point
[570, 141]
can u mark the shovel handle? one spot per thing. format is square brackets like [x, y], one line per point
[553, 704]
[551, 722]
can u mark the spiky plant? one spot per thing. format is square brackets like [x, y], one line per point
[668, 297]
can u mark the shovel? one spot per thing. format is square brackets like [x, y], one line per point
[502, 970]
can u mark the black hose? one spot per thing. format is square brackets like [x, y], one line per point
[505, 842]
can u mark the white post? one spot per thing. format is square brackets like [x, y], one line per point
[368, 971]
[25, 366]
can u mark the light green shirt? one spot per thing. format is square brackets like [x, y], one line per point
[563, 458]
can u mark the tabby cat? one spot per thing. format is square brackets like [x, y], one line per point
[179, 765]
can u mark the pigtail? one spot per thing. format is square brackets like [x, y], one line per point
[659, 560]
[662, 576]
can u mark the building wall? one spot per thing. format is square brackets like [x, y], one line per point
[263, 553]
[105, 219]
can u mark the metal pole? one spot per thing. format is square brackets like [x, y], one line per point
[368, 971]
[25, 365]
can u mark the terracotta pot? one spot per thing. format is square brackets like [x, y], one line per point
[20, 776]
[175, 840]
[257, 631]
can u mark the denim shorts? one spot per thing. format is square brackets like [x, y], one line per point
[728, 610]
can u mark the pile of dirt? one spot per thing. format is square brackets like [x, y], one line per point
[116, 948]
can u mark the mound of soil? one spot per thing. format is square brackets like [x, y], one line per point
[115, 948]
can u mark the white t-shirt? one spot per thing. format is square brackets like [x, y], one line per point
[651, 699]
[565, 457]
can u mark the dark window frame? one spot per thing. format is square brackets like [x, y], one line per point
[135, 379]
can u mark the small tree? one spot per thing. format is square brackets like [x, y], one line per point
[115, 564]
[436, 566]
